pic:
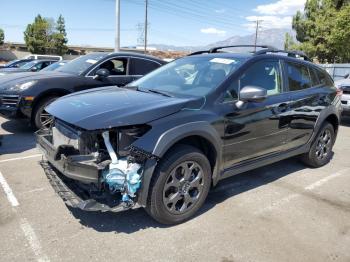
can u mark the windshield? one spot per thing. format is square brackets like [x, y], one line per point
[54, 66]
[194, 76]
[29, 65]
[80, 64]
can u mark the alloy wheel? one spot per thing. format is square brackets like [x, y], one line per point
[183, 187]
[324, 144]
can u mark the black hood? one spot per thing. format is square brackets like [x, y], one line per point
[112, 107]
[13, 79]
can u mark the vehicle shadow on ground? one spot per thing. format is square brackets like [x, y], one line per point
[20, 137]
[134, 220]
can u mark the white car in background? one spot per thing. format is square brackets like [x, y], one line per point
[344, 86]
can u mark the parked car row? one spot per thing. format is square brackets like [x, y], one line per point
[162, 140]
[27, 94]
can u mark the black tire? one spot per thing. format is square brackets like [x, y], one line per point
[169, 186]
[39, 110]
[320, 152]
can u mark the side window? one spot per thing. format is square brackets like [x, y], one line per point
[265, 74]
[232, 92]
[142, 66]
[324, 78]
[314, 77]
[115, 66]
[298, 77]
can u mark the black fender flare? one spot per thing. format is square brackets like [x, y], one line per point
[324, 114]
[168, 139]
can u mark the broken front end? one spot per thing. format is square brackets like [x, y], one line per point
[94, 170]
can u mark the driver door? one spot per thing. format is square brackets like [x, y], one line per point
[256, 129]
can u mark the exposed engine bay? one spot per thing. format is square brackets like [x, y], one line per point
[102, 162]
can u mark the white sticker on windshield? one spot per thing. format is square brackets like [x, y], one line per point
[91, 61]
[225, 61]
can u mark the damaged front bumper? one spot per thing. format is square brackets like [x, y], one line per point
[80, 180]
[77, 167]
[75, 196]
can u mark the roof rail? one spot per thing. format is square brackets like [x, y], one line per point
[215, 49]
[295, 54]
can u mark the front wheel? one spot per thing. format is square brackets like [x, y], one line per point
[40, 118]
[180, 185]
[321, 149]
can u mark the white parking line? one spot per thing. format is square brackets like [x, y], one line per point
[8, 191]
[310, 187]
[20, 158]
[27, 229]
[33, 240]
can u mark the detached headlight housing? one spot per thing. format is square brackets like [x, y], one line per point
[23, 86]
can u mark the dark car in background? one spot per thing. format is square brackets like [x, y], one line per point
[163, 141]
[55, 66]
[27, 94]
[16, 63]
[32, 66]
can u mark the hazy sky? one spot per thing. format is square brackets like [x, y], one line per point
[181, 22]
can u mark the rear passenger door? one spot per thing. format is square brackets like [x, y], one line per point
[140, 67]
[307, 99]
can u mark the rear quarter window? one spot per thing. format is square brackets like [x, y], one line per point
[298, 76]
[142, 66]
[324, 78]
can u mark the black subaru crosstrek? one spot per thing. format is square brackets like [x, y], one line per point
[165, 139]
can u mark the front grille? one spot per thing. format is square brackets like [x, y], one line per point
[344, 102]
[9, 100]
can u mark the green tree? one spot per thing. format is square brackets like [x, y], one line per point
[323, 30]
[289, 43]
[43, 36]
[60, 37]
[2, 36]
[36, 35]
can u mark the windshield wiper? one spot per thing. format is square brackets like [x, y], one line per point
[155, 91]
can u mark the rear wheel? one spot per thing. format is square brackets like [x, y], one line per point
[321, 149]
[180, 185]
[40, 118]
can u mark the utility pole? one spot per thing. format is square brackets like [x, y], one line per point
[146, 24]
[117, 26]
[256, 33]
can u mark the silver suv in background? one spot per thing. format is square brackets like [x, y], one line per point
[344, 86]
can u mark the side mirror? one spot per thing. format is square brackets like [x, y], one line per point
[34, 69]
[101, 73]
[252, 94]
[346, 76]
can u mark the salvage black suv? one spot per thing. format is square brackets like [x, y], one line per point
[164, 140]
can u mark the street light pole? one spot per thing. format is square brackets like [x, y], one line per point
[146, 25]
[117, 26]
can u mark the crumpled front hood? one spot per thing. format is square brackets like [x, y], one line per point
[13, 79]
[108, 107]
